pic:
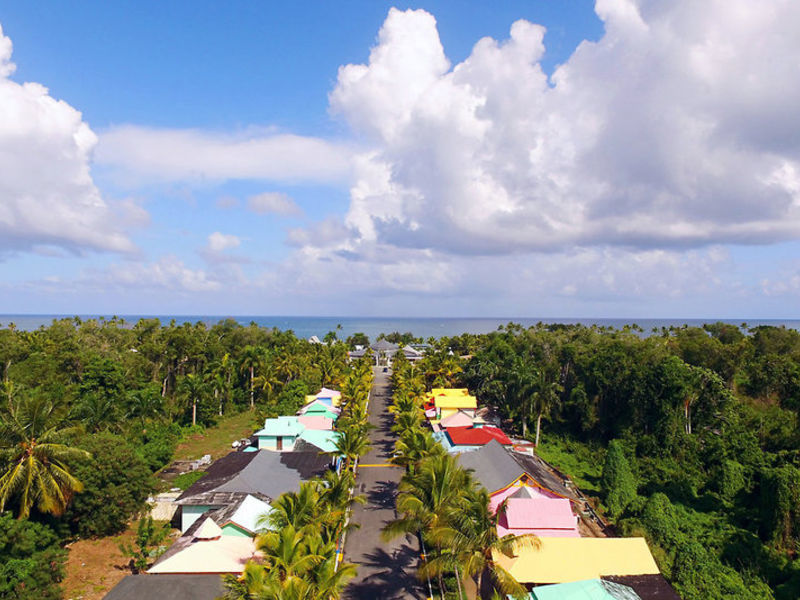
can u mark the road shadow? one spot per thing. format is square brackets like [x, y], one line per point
[392, 576]
[382, 495]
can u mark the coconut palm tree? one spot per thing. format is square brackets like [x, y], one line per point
[352, 443]
[545, 395]
[414, 446]
[193, 390]
[249, 362]
[35, 459]
[470, 535]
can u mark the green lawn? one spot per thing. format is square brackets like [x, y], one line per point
[216, 440]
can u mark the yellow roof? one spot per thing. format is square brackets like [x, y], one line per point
[450, 392]
[562, 560]
[455, 402]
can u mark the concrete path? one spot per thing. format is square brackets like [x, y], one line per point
[386, 570]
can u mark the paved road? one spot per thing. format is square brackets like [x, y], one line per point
[386, 570]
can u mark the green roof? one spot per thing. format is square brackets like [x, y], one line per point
[322, 439]
[589, 589]
[282, 426]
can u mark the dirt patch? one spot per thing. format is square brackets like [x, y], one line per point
[95, 566]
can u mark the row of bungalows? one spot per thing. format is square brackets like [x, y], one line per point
[222, 512]
[571, 562]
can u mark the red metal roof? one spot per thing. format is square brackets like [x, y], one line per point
[476, 436]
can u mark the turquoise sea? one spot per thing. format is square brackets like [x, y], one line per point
[305, 327]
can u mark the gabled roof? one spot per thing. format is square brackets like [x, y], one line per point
[555, 561]
[476, 436]
[328, 393]
[493, 467]
[208, 530]
[457, 419]
[324, 440]
[648, 587]
[267, 473]
[455, 402]
[540, 513]
[226, 554]
[589, 589]
[281, 426]
[384, 346]
[174, 587]
[319, 406]
[249, 513]
[315, 421]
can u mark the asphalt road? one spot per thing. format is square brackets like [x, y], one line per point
[386, 570]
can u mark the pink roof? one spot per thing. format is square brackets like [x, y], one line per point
[430, 413]
[540, 513]
[316, 422]
[531, 491]
[328, 393]
[459, 419]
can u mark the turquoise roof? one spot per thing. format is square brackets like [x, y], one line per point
[324, 440]
[282, 426]
[589, 589]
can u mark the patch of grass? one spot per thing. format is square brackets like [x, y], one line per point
[216, 440]
[184, 480]
[582, 462]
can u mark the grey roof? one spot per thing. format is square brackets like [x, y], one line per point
[534, 466]
[173, 587]
[493, 467]
[384, 346]
[647, 587]
[267, 473]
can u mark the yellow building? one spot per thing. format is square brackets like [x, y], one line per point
[448, 401]
[562, 560]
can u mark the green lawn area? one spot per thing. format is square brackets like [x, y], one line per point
[582, 462]
[216, 440]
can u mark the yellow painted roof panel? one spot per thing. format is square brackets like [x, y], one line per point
[455, 402]
[562, 560]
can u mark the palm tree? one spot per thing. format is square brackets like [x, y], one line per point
[194, 390]
[520, 388]
[35, 460]
[545, 395]
[250, 361]
[414, 446]
[290, 553]
[470, 534]
[352, 443]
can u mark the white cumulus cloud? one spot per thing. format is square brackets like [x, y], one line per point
[678, 128]
[218, 242]
[47, 195]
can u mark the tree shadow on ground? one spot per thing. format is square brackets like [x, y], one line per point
[387, 575]
[382, 496]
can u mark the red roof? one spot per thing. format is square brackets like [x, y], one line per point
[476, 436]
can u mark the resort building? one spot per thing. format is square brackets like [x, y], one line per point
[319, 408]
[467, 439]
[448, 401]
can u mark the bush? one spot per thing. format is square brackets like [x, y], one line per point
[116, 483]
[618, 480]
[158, 443]
[31, 562]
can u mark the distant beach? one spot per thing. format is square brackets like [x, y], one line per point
[305, 327]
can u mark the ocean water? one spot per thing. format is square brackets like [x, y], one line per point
[305, 327]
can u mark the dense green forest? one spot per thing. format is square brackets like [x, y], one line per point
[687, 436]
[91, 410]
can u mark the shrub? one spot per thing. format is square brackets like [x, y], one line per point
[116, 483]
[31, 562]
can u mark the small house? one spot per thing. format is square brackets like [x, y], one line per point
[279, 434]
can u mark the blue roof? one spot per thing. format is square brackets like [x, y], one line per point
[282, 426]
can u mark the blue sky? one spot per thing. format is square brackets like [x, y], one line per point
[367, 158]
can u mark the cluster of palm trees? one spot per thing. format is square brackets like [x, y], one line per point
[300, 539]
[441, 502]
[298, 545]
